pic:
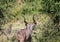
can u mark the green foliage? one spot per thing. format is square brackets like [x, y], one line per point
[7, 10]
[43, 9]
[51, 6]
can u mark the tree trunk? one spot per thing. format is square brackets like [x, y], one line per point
[56, 22]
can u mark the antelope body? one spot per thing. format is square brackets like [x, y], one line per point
[25, 35]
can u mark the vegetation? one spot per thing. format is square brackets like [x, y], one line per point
[47, 14]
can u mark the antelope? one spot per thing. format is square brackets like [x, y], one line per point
[25, 35]
[19, 2]
[7, 32]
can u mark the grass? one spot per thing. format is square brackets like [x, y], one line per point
[19, 24]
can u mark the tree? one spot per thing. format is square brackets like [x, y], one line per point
[52, 7]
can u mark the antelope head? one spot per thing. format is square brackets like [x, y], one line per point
[30, 26]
